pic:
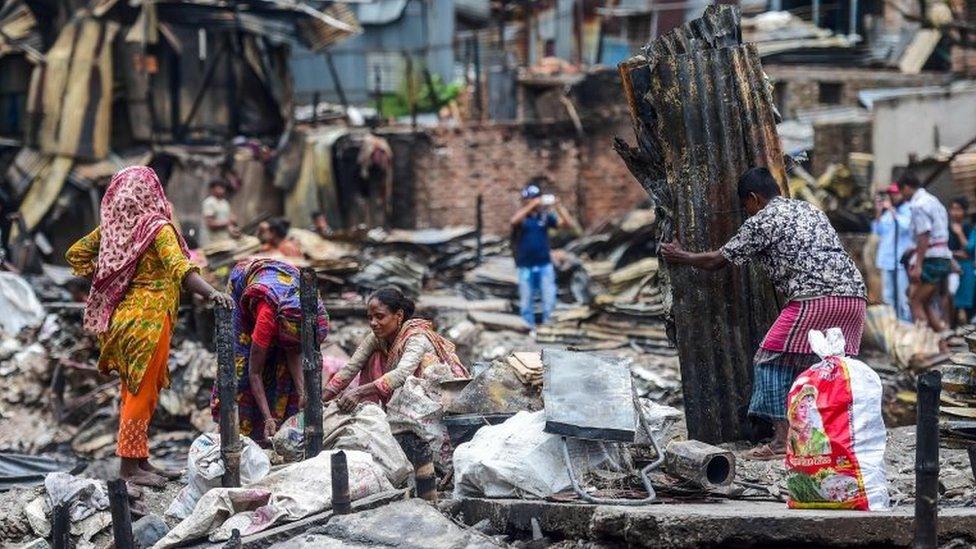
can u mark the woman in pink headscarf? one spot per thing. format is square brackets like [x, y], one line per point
[137, 262]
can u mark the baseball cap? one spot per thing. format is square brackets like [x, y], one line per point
[893, 188]
[531, 191]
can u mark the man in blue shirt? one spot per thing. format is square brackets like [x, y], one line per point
[893, 225]
[530, 243]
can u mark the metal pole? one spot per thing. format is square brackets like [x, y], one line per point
[478, 100]
[852, 24]
[479, 224]
[816, 12]
[927, 460]
[377, 92]
[311, 364]
[230, 439]
[118, 500]
[336, 80]
[341, 504]
[411, 90]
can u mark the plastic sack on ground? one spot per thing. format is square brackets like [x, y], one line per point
[518, 459]
[836, 441]
[205, 467]
[416, 408]
[901, 340]
[365, 429]
[19, 304]
[288, 494]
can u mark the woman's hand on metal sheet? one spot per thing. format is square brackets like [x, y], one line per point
[673, 252]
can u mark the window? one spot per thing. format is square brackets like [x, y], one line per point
[830, 93]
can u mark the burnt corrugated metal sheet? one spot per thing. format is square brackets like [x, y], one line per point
[703, 115]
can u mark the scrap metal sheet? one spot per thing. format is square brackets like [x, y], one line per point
[588, 396]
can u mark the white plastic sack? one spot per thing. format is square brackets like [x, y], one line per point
[205, 468]
[288, 494]
[365, 429]
[518, 459]
[416, 407]
[836, 439]
[19, 304]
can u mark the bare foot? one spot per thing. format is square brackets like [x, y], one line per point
[765, 452]
[145, 478]
[149, 468]
[134, 491]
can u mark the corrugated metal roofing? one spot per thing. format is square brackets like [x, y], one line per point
[704, 114]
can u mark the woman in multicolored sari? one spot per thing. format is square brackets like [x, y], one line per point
[138, 263]
[399, 346]
[267, 346]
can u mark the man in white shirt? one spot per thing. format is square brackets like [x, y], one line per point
[932, 261]
[218, 221]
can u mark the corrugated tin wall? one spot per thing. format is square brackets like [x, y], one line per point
[703, 115]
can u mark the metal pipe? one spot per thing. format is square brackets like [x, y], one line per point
[311, 363]
[816, 12]
[852, 24]
[341, 503]
[330, 63]
[118, 501]
[927, 460]
[230, 440]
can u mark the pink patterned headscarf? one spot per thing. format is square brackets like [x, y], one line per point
[134, 209]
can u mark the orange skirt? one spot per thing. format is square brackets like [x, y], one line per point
[136, 409]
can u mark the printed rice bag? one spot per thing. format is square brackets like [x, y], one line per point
[836, 441]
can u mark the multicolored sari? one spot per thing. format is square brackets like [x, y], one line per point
[275, 283]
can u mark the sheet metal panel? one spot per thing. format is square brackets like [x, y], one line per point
[703, 115]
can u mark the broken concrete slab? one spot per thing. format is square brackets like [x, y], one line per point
[738, 523]
[410, 524]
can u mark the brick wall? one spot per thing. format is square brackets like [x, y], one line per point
[802, 83]
[834, 141]
[451, 166]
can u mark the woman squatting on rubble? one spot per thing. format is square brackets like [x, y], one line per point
[137, 262]
[267, 346]
[399, 347]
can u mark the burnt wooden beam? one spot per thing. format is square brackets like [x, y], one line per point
[230, 439]
[311, 362]
[927, 460]
[118, 500]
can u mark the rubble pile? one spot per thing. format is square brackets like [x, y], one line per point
[54, 399]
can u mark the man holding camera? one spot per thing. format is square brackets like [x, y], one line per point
[530, 244]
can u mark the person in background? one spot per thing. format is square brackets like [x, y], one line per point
[320, 225]
[273, 235]
[932, 260]
[893, 226]
[801, 253]
[267, 346]
[218, 221]
[138, 264]
[960, 232]
[533, 260]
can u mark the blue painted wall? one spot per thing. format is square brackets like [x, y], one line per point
[407, 29]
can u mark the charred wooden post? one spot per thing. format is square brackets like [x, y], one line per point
[341, 502]
[118, 500]
[311, 363]
[927, 460]
[701, 464]
[703, 114]
[230, 439]
[61, 526]
[479, 224]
